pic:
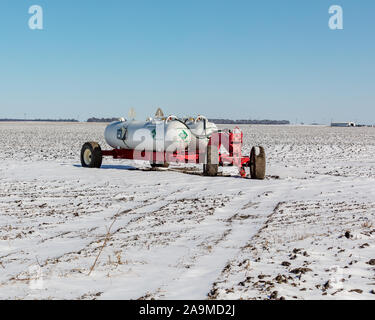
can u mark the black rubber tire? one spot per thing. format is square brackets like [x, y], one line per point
[211, 168]
[159, 165]
[91, 155]
[258, 164]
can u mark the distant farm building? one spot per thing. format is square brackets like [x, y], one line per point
[343, 124]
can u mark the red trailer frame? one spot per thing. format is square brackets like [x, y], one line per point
[229, 140]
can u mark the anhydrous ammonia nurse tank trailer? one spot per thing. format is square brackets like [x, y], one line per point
[163, 140]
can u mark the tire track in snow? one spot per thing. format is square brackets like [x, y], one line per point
[196, 281]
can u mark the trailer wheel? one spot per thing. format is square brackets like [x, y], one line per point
[91, 155]
[159, 165]
[212, 166]
[257, 164]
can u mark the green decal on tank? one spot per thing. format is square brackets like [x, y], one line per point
[183, 135]
[153, 133]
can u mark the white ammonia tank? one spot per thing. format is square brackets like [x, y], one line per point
[159, 134]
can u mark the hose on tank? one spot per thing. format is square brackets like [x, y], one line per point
[206, 136]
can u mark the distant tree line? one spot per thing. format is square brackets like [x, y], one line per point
[93, 119]
[39, 120]
[227, 121]
[102, 119]
[217, 121]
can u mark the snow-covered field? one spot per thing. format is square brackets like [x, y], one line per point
[306, 232]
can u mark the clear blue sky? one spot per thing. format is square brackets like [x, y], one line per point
[229, 59]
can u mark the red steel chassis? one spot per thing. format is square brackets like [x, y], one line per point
[231, 141]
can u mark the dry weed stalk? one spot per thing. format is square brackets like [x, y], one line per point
[107, 237]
